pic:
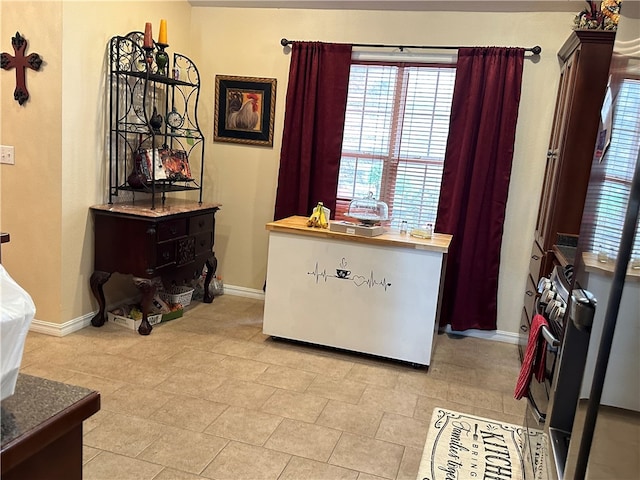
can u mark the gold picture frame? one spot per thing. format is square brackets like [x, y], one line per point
[244, 110]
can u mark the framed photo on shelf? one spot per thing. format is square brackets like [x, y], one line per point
[160, 164]
[244, 110]
[175, 164]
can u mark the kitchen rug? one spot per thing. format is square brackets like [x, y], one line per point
[461, 446]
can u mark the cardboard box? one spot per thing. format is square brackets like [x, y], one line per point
[172, 315]
[130, 323]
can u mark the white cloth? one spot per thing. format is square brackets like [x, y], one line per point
[16, 312]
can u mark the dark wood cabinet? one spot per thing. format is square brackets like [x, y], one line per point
[42, 429]
[585, 59]
[173, 242]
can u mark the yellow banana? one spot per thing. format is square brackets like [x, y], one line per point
[322, 217]
[314, 218]
[318, 219]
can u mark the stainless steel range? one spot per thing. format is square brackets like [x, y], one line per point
[551, 302]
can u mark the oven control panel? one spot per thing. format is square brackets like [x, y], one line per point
[554, 296]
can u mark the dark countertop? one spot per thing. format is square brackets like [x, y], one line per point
[36, 401]
[565, 254]
[565, 249]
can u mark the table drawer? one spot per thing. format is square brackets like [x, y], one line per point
[535, 260]
[172, 229]
[523, 337]
[201, 223]
[530, 297]
[204, 242]
[165, 254]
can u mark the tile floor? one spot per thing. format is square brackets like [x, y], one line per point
[208, 396]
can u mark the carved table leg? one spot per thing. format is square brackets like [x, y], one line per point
[148, 289]
[97, 280]
[212, 266]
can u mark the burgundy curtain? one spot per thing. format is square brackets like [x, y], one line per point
[475, 182]
[313, 128]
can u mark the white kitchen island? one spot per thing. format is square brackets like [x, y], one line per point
[375, 295]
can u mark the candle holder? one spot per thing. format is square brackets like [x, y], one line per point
[162, 59]
[148, 56]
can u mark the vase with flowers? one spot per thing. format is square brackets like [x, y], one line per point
[602, 15]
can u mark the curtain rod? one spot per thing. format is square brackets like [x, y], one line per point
[285, 43]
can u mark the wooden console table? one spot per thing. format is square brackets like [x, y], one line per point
[4, 238]
[42, 429]
[173, 241]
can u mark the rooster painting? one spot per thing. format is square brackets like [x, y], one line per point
[243, 111]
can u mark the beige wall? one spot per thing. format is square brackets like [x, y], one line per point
[59, 138]
[57, 244]
[243, 179]
[31, 190]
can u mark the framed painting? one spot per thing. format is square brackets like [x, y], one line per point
[244, 110]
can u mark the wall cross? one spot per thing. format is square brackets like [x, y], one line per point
[20, 63]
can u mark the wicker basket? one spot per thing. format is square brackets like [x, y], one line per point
[177, 294]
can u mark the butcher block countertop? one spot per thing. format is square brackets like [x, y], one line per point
[592, 265]
[439, 242]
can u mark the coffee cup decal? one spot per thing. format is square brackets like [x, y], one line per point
[342, 272]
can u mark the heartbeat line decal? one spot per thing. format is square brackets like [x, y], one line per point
[343, 274]
[371, 282]
[319, 274]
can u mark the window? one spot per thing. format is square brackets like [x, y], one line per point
[620, 161]
[395, 136]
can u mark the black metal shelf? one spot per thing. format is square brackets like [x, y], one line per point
[166, 187]
[155, 77]
[140, 128]
[141, 94]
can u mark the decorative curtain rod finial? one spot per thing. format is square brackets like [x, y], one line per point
[284, 42]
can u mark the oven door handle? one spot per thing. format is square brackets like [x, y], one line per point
[537, 415]
[549, 338]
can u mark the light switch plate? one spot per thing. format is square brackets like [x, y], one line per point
[7, 155]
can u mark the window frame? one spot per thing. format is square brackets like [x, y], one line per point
[607, 237]
[390, 159]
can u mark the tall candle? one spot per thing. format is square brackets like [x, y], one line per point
[148, 42]
[162, 36]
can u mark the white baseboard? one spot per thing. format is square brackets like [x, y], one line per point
[61, 329]
[495, 335]
[244, 292]
[73, 325]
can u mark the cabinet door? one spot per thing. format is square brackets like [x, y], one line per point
[125, 244]
[584, 74]
[552, 170]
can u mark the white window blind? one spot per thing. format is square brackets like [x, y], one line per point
[620, 161]
[396, 128]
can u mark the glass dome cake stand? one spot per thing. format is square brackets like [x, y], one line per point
[368, 211]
